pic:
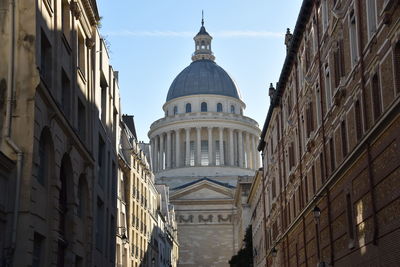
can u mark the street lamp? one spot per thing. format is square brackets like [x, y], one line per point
[274, 252]
[317, 213]
[153, 261]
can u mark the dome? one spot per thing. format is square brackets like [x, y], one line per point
[203, 77]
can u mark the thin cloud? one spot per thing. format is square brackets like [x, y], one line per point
[220, 34]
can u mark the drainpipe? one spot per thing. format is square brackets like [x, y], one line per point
[7, 127]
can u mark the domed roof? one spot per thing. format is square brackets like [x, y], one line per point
[203, 77]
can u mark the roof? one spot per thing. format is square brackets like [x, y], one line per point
[128, 120]
[203, 77]
[203, 179]
[304, 15]
[202, 31]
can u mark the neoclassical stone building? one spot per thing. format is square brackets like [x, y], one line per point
[200, 148]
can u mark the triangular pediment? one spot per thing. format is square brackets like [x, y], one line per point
[203, 190]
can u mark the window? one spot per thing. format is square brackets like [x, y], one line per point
[103, 85]
[82, 197]
[192, 154]
[332, 154]
[66, 20]
[325, 18]
[291, 155]
[99, 224]
[350, 222]
[37, 255]
[217, 154]
[322, 166]
[371, 17]
[65, 93]
[396, 58]
[204, 153]
[310, 119]
[232, 109]
[81, 119]
[175, 110]
[203, 107]
[353, 38]
[188, 108]
[44, 157]
[338, 56]
[328, 89]
[376, 96]
[273, 188]
[203, 45]
[45, 59]
[101, 161]
[219, 107]
[81, 53]
[343, 132]
[357, 111]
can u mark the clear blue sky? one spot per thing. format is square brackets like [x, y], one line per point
[152, 41]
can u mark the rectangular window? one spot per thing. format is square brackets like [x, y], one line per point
[291, 156]
[376, 96]
[204, 153]
[37, 254]
[310, 119]
[325, 18]
[65, 93]
[396, 59]
[81, 119]
[45, 59]
[322, 166]
[318, 104]
[338, 56]
[371, 17]
[314, 183]
[99, 224]
[328, 89]
[344, 138]
[353, 38]
[332, 154]
[350, 221]
[357, 111]
[81, 53]
[66, 19]
[273, 188]
[103, 85]
[101, 161]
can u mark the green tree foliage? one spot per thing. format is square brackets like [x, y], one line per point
[244, 257]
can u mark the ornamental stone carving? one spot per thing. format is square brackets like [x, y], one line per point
[209, 218]
[182, 219]
[222, 219]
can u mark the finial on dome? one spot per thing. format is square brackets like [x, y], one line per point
[202, 18]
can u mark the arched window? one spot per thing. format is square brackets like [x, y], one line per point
[219, 107]
[45, 156]
[188, 108]
[232, 109]
[203, 107]
[203, 45]
[241, 111]
[175, 110]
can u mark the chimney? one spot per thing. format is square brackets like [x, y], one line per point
[288, 39]
[271, 91]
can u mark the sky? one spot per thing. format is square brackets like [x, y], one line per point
[151, 42]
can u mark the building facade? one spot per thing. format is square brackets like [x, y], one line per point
[199, 149]
[144, 227]
[330, 142]
[59, 104]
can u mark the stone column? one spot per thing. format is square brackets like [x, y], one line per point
[168, 151]
[156, 154]
[198, 150]
[257, 155]
[248, 150]
[253, 153]
[187, 130]
[221, 146]
[240, 147]
[210, 146]
[161, 152]
[231, 148]
[177, 149]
